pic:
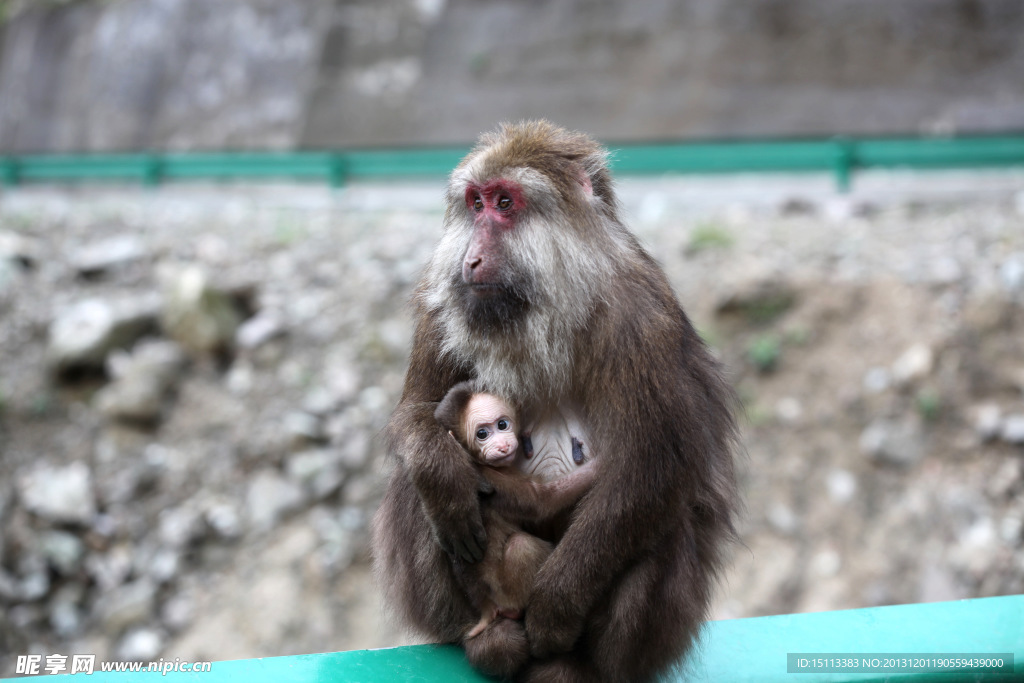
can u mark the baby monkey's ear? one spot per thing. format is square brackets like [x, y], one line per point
[452, 407]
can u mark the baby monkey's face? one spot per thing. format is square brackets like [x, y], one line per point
[491, 430]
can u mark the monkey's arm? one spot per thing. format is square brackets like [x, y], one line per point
[442, 472]
[520, 498]
[665, 469]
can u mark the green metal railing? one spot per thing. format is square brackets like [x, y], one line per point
[763, 649]
[839, 156]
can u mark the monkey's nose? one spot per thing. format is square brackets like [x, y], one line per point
[469, 267]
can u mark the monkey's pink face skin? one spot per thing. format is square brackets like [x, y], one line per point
[495, 207]
[491, 430]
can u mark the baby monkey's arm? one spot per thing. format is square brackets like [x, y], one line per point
[519, 498]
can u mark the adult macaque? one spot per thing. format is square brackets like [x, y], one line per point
[485, 425]
[538, 290]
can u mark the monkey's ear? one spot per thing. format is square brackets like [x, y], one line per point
[583, 178]
[450, 409]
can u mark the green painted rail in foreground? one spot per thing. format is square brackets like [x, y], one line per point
[840, 156]
[736, 650]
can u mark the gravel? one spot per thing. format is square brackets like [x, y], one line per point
[193, 382]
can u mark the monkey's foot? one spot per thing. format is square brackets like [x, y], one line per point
[478, 629]
[500, 650]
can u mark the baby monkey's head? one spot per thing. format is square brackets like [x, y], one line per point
[490, 429]
[485, 424]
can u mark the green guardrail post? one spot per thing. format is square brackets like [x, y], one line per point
[845, 159]
[9, 171]
[152, 170]
[337, 171]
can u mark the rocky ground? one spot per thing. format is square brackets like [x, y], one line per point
[192, 381]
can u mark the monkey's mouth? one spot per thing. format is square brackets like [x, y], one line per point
[486, 289]
[493, 306]
[502, 460]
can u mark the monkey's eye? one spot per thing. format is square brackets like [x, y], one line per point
[482, 434]
[503, 424]
[478, 204]
[505, 203]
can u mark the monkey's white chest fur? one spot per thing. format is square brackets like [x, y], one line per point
[550, 439]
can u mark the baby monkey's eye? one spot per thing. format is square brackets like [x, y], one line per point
[503, 424]
[481, 434]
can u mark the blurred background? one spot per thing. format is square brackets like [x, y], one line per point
[193, 377]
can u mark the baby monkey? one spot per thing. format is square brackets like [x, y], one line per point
[485, 425]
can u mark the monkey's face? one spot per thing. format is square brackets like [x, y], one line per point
[495, 207]
[495, 289]
[522, 236]
[491, 430]
[530, 242]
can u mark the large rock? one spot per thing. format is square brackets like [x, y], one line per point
[259, 329]
[320, 471]
[304, 427]
[59, 494]
[65, 614]
[143, 379]
[913, 364]
[170, 74]
[9, 273]
[82, 335]
[757, 300]
[180, 526]
[893, 442]
[1013, 429]
[270, 498]
[155, 74]
[198, 315]
[108, 254]
[127, 605]
[142, 644]
[988, 421]
[18, 249]
[1011, 274]
[63, 551]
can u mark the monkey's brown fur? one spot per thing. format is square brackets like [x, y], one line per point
[588, 319]
[518, 496]
[513, 557]
[452, 407]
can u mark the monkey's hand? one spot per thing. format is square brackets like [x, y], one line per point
[454, 513]
[553, 624]
[484, 486]
[460, 532]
